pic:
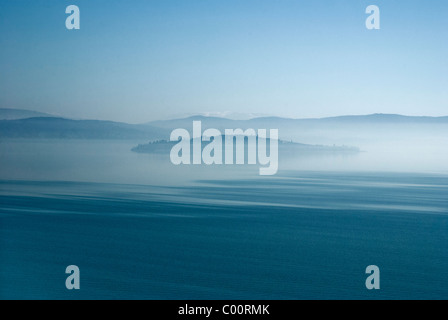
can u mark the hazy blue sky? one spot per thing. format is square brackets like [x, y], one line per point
[137, 61]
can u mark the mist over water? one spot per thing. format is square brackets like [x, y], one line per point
[111, 161]
[389, 148]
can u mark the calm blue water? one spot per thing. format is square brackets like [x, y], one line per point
[307, 235]
[196, 235]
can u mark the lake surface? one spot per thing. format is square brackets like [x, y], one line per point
[140, 228]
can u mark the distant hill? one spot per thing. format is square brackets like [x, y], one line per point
[386, 118]
[209, 122]
[77, 129]
[277, 122]
[343, 130]
[15, 114]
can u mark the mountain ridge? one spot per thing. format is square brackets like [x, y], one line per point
[62, 128]
[305, 129]
[16, 114]
[377, 116]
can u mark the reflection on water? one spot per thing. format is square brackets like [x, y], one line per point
[138, 227]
